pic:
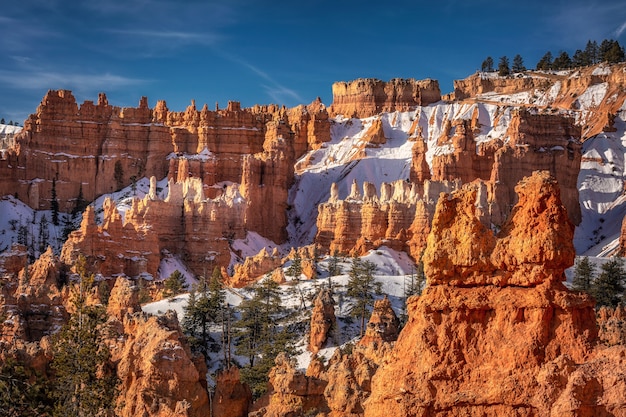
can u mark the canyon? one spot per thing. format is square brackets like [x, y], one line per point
[494, 189]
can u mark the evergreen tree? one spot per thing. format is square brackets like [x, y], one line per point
[259, 336]
[417, 281]
[44, 234]
[295, 272]
[81, 204]
[487, 65]
[2, 121]
[518, 64]
[23, 393]
[609, 285]
[584, 273]
[591, 53]
[579, 59]
[175, 284]
[545, 63]
[562, 61]
[611, 51]
[85, 384]
[503, 66]
[54, 203]
[334, 266]
[362, 287]
[204, 309]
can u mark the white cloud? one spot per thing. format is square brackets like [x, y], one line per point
[620, 30]
[44, 80]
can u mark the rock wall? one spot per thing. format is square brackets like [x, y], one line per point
[185, 223]
[367, 97]
[369, 219]
[533, 142]
[97, 148]
[560, 90]
[495, 332]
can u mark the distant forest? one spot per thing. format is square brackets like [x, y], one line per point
[609, 51]
[11, 122]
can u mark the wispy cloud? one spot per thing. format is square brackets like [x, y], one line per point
[620, 30]
[43, 80]
[206, 38]
[278, 92]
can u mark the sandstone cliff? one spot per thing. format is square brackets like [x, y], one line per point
[367, 97]
[484, 339]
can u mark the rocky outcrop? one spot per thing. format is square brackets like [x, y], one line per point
[322, 320]
[291, 393]
[185, 223]
[232, 398]
[254, 268]
[532, 142]
[597, 92]
[98, 148]
[483, 339]
[367, 97]
[368, 219]
[158, 373]
[31, 302]
[383, 325]
[612, 325]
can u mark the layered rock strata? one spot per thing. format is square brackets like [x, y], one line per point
[495, 332]
[369, 219]
[566, 91]
[367, 97]
[185, 223]
[93, 149]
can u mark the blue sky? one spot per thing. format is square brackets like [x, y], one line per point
[284, 52]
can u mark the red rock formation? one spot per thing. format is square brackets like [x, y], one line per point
[612, 325]
[232, 398]
[322, 320]
[254, 268]
[31, 302]
[383, 325]
[292, 393]
[184, 224]
[364, 221]
[158, 372]
[566, 90]
[535, 142]
[367, 97]
[521, 347]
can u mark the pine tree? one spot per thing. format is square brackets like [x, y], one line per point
[503, 66]
[591, 53]
[44, 234]
[608, 287]
[579, 59]
[85, 383]
[174, 284]
[2, 121]
[23, 393]
[518, 64]
[362, 287]
[545, 63]
[295, 272]
[417, 281]
[584, 273]
[487, 65]
[54, 203]
[562, 61]
[259, 336]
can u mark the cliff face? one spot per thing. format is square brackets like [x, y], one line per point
[367, 97]
[99, 147]
[495, 332]
[564, 90]
[369, 219]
